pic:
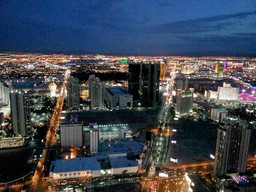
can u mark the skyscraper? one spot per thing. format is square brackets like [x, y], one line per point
[73, 94]
[181, 83]
[184, 102]
[232, 146]
[96, 92]
[4, 93]
[20, 112]
[143, 82]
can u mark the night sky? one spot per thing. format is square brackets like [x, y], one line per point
[140, 27]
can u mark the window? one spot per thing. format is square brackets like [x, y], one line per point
[61, 175]
[74, 173]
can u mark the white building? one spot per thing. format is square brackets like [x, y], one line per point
[71, 135]
[4, 93]
[228, 93]
[89, 167]
[75, 168]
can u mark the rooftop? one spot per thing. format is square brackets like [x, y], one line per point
[77, 164]
[116, 91]
[118, 162]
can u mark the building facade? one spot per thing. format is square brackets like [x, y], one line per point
[71, 135]
[73, 94]
[232, 146]
[96, 92]
[20, 112]
[4, 93]
[184, 102]
[118, 98]
[143, 82]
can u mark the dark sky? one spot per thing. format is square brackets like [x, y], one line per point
[129, 26]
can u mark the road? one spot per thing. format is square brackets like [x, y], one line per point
[157, 154]
[37, 184]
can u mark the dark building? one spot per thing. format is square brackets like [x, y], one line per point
[73, 94]
[144, 82]
[181, 83]
[232, 146]
[20, 112]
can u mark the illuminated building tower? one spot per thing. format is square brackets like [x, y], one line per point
[52, 87]
[219, 67]
[144, 82]
[162, 71]
[184, 102]
[96, 92]
[73, 94]
[232, 146]
[20, 113]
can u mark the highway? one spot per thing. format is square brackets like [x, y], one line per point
[37, 182]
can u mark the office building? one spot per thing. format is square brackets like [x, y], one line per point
[232, 146]
[143, 82]
[71, 135]
[184, 102]
[118, 98]
[218, 114]
[96, 92]
[73, 94]
[4, 93]
[20, 112]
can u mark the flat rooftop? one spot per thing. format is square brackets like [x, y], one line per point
[119, 162]
[77, 164]
[116, 91]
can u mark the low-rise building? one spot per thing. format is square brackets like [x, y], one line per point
[118, 98]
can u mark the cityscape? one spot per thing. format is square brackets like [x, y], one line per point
[99, 117]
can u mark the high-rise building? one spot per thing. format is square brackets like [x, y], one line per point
[20, 112]
[144, 82]
[184, 102]
[181, 83]
[232, 146]
[94, 141]
[162, 71]
[71, 135]
[227, 92]
[219, 67]
[96, 92]
[4, 93]
[73, 94]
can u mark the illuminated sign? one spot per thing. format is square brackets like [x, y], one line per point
[124, 62]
